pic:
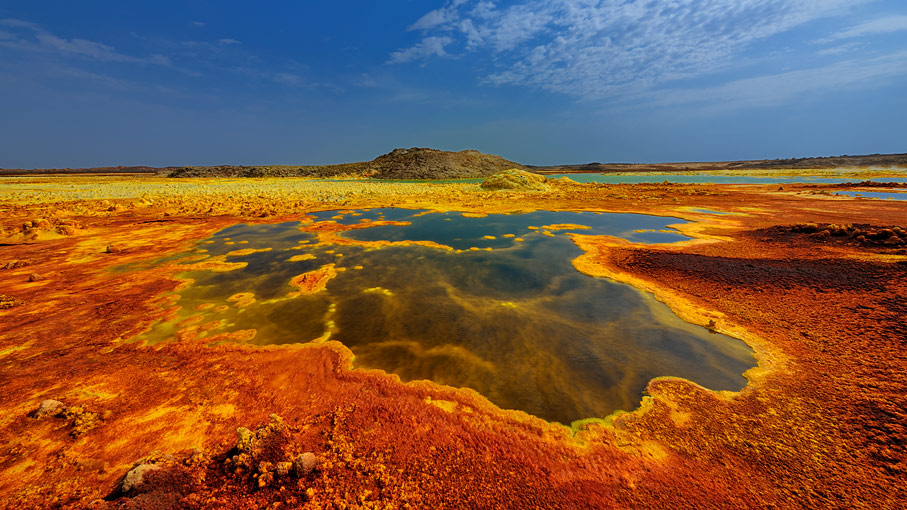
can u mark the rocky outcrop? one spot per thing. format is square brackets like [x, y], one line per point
[405, 164]
[422, 163]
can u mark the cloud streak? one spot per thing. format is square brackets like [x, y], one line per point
[884, 25]
[32, 37]
[64, 56]
[609, 48]
[427, 47]
[780, 88]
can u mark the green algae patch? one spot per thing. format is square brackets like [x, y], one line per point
[515, 180]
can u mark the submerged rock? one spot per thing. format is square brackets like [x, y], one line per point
[514, 179]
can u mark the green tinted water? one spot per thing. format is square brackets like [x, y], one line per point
[518, 323]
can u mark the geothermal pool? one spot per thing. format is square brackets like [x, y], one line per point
[490, 303]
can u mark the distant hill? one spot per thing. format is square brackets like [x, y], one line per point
[414, 163]
[95, 170]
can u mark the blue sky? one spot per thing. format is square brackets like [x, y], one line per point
[99, 83]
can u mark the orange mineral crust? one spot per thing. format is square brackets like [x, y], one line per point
[90, 419]
[313, 281]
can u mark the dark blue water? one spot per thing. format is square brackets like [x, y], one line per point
[457, 231]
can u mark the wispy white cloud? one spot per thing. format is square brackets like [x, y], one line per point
[782, 88]
[82, 47]
[434, 18]
[840, 49]
[593, 49]
[63, 56]
[18, 23]
[31, 37]
[878, 26]
[427, 47]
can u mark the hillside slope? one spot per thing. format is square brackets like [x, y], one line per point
[414, 163]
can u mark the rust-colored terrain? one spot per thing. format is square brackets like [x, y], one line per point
[816, 284]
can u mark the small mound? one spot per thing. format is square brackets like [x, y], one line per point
[514, 179]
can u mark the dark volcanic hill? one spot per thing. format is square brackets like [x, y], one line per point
[420, 163]
[414, 163]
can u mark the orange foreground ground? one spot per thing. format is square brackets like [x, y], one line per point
[822, 423]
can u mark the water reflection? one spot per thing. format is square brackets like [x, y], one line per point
[518, 323]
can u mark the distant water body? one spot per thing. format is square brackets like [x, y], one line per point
[713, 179]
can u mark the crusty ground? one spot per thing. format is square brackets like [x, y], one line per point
[821, 423]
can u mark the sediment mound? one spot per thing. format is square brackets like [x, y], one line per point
[514, 179]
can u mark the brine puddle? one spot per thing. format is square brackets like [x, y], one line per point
[501, 311]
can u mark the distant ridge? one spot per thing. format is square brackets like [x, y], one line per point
[813, 163]
[93, 170]
[425, 163]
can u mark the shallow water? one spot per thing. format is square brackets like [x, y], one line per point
[712, 179]
[875, 194]
[460, 232]
[517, 323]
